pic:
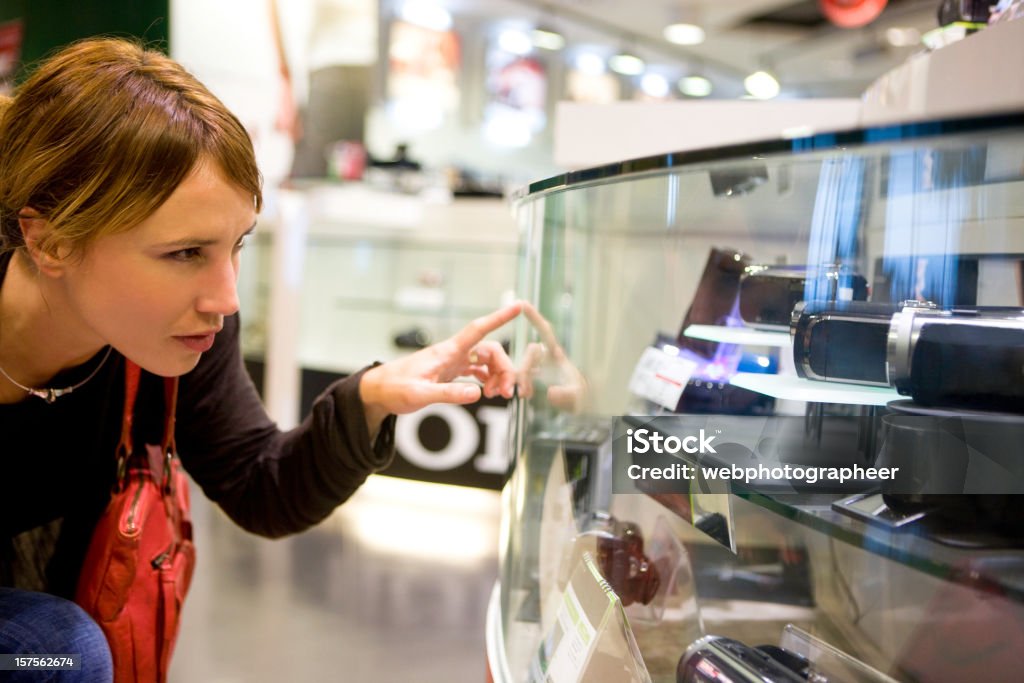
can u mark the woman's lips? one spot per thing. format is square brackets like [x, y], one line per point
[200, 343]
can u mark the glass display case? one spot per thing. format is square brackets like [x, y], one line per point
[770, 414]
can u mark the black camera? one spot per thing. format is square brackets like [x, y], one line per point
[768, 294]
[714, 659]
[842, 341]
[967, 357]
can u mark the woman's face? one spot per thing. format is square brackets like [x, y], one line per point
[159, 292]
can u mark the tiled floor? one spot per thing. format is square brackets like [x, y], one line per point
[392, 588]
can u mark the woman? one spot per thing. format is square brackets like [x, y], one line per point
[126, 191]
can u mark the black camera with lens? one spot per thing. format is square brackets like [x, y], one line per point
[842, 341]
[961, 358]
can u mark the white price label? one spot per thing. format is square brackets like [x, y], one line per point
[660, 377]
[574, 634]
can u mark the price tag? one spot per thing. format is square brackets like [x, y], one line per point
[660, 377]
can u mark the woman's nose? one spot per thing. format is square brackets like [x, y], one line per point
[219, 295]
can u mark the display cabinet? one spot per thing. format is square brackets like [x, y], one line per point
[837, 321]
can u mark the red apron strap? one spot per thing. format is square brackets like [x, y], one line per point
[170, 404]
[132, 373]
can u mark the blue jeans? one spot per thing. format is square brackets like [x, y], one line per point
[42, 624]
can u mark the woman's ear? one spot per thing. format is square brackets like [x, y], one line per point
[35, 228]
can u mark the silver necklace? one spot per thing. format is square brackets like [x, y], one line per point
[51, 394]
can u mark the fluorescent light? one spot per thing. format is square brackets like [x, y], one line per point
[761, 85]
[427, 14]
[626, 64]
[684, 34]
[590, 63]
[695, 86]
[515, 41]
[654, 85]
[547, 40]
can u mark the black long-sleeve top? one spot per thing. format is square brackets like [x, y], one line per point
[57, 461]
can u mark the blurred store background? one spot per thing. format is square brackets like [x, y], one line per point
[470, 88]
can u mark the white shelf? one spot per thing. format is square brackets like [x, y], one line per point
[792, 388]
[738, 335]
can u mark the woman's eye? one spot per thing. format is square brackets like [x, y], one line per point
[240, 243]
[190, 254]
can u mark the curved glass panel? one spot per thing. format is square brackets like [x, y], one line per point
[849, 300]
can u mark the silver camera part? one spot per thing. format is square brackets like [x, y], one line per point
[802, 359]
[905, 330]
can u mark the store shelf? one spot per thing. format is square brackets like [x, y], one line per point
[952, 552]
[738, 335]
[788, 387]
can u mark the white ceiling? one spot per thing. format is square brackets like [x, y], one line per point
[817, 59]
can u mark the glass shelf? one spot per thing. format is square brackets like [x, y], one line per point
[739, 335]
[789, 387]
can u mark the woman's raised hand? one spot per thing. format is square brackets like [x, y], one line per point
[425, 377]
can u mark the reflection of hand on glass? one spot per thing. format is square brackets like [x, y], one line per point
[566, 385]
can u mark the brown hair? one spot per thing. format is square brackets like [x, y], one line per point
[102, 133]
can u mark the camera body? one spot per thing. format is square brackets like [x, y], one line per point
[768, 294]
[964, 357]
[842, 341]
[714, 659]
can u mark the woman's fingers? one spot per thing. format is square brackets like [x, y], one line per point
[470, 335]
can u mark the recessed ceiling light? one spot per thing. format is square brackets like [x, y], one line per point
[547, 40]
[626, 64]
[761, 85]
[695, 86]
[589, 63]
[654, 85]
[684, 34]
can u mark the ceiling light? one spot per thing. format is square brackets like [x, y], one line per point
[427, 14]
[654, 85]
[684, 34]
[761, 85]
[547, 40]
[590, 63]
[695, 86]
[515, 42]
[626, 64]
